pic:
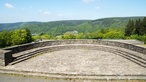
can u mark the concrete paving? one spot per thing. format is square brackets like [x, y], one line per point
[80, 61]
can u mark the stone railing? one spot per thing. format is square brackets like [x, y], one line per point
[6, 54]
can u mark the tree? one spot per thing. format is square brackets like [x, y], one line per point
[14, 37]
[5, 38]
[28, 35]
[137, 27]
[68, 36]
[143, 29]
[17, 37]
[129, 28]
[45, 36]
[80, 36]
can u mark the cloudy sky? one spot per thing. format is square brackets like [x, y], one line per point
[52, 10]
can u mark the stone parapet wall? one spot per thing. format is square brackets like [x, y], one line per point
[129, 46]
[6, 55]
[24, 47]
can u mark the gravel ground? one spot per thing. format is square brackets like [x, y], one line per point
[80, 61]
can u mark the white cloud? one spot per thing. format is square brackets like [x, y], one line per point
[88, 1]
[9, 6]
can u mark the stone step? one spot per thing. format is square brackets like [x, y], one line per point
[27, 54]
[25, 57]
[135, 61]
[133, 58]
[18, 60]
[130, 56]
[116, 50]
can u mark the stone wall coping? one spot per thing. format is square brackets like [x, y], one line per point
[137, 42]
[140, 44]
[129, 41]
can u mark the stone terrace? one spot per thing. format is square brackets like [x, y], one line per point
[89, 59]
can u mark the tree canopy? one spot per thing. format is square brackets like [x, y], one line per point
[15, 37]
[136, 27]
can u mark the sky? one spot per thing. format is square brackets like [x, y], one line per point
[53, 10]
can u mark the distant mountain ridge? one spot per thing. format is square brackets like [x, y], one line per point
[116, 20]
[9, 26]
[60, 27]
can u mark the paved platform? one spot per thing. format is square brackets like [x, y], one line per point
[80, 62]
[86, 61]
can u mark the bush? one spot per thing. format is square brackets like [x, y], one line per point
[137, 37]
[15, 37]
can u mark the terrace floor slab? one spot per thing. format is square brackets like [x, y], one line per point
[80, 62]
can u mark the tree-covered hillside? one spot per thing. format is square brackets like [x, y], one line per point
[116, 22]
[60, 27]
[10, 26]
[54, 28]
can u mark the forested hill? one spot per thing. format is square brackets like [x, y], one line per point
[60, 27]
[9, 26]
[116, 22]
